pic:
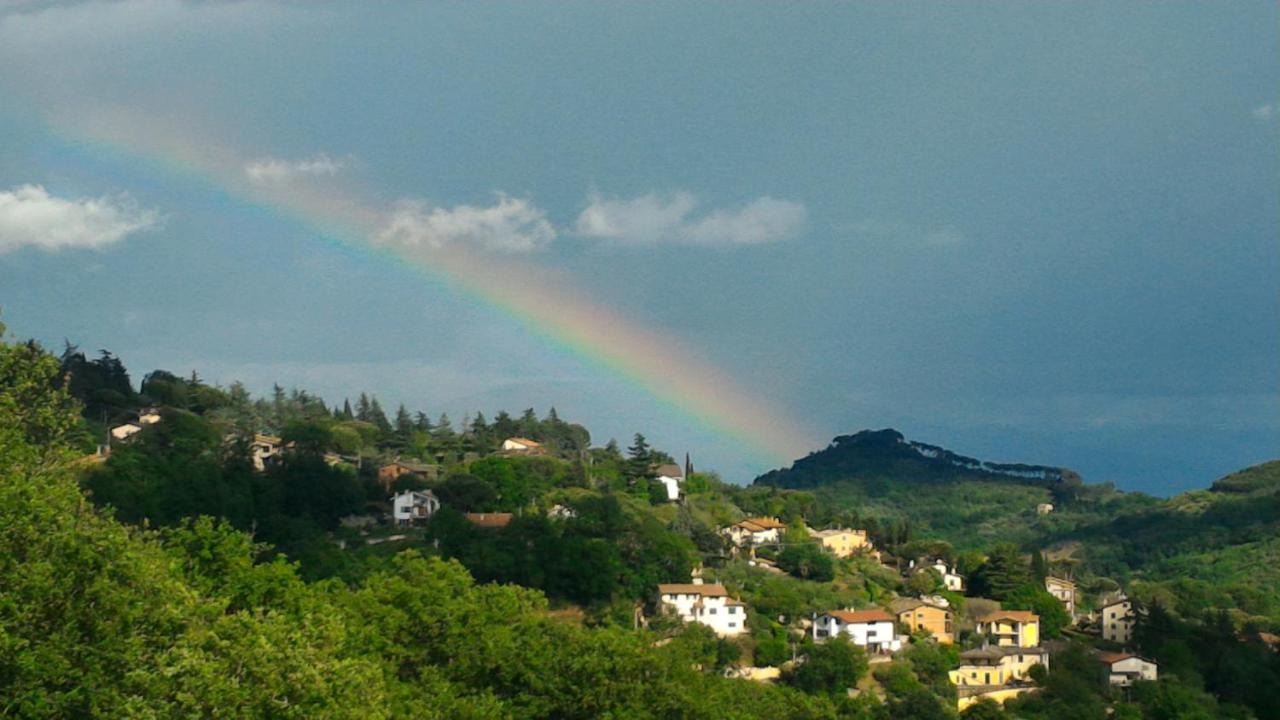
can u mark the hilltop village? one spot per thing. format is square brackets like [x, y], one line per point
[761, 600]
[1000, 651]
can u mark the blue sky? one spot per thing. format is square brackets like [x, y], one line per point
[1029, 232]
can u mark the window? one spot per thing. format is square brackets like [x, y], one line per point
[733, 625]
[711, 611]
[986, 678]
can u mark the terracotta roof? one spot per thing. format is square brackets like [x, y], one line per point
[861, 616]
[670, 470]
[489, 520]
[1015, 615]
[692, 589]
[266, 439]
[767, 523]
[1111, 658]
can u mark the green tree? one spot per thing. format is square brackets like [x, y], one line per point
[828, 667]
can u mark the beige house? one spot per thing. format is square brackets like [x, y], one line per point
[842, 542]
[125, 431]
[1116, 619]
[522, 446]
[1123, 669]
[922, 614]
[755, 531]
[1064, 590]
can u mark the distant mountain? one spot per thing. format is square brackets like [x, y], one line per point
[875, 454]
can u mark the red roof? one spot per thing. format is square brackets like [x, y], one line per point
[490, 520]
[861, 616]
[1015, 615]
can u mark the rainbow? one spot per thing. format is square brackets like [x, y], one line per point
[542, 300]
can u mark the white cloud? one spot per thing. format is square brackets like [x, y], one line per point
[29, 215]
[269, 169]
[511, 225]
[1264, 112]
[654, 219]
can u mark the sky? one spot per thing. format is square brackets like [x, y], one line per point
[1028, 232]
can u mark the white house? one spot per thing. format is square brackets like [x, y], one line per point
[951, 579]
[1123, 669]
[521, 446]
[125, 431]
[1116, 618]
[1044, 508]
[706, 604]
[755, 531]
[872, 629]
[562, 512]
[148, 416]
[412, 506]
[671, 476]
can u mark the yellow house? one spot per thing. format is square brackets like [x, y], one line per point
[996, 665]
[842, 542]
[1011, 628]
[925, 615]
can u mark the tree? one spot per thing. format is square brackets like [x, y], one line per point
[1004, 572]
[807, 561]
[829, 667]
[639, 461]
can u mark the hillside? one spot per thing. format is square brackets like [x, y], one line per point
[971, 502]
[1197, 545]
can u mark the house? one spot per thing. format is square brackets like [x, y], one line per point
[926, 614]
[1116, 618]
[562, 512]
[755, 531]
[951, 579]
[995, 665]
[671, 476]
[842, 542]
[1044, 508]
[148, 416]
[414, 506]
[489, 521]
[392, 471]
[522, 446]
[263, 448]
[1064, 590]
[709, 605]
[1123, 669]
[125, 431]
[1011, 628]
[872, 629]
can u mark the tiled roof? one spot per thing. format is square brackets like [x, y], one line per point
[670, 470]
[861, 616]
[489, 520]
[1015, 615]
[692, 589]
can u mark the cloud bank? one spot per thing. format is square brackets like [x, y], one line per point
[270, 169]
[30, 216]
[653, 218]
[512, 225]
